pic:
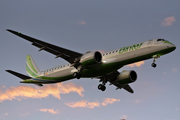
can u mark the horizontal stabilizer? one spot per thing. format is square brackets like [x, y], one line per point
[128, 88]
[24, 77]
[39, 84]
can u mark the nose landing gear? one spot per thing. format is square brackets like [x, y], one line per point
[155, 58]
[153, 65]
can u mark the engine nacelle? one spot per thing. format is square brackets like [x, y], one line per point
[126, 77]
[91, 58]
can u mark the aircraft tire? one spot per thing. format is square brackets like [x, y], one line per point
[78, 76]
[75, 74]
[101, 87]
[153, 65]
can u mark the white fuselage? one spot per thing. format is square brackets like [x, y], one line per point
[113, 60]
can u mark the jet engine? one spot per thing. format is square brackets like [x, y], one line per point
[91, 58]
[126, 77]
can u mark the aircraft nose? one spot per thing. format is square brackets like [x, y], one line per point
[171, 46]
[174, 47]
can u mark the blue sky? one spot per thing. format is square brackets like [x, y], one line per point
[87, 26]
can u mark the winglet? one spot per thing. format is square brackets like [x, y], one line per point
[14, 32]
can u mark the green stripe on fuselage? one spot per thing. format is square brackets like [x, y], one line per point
[168, 42]
[130, 48]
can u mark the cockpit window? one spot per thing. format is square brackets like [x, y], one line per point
[161, 40]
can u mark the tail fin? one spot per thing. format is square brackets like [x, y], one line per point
[31, 67]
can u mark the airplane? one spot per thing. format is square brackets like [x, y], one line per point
[92, 64]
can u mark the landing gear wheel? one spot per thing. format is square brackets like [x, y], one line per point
[101, 87]
[79, 76]
[153, 65]
[76, 75]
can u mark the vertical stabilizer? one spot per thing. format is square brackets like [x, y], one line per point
[31, 67]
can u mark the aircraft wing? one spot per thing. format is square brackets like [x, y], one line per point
[111, 78]
[66, 54]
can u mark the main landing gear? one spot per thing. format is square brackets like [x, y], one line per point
[102, 86]
[77, 75]
[155, 58]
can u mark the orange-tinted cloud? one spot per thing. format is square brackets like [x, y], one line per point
[49, 110]
[109, 101]
[138, 64]
[24, 114]
[123, 117]
[81, 22]
[86, 104]
[137, 101]
[23, 92]
[83, 103]
[168, 21]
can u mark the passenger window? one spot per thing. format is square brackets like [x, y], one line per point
[106, 53]
[109, 52]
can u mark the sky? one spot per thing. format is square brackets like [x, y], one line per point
[83, 26]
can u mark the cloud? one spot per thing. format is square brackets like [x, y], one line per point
[123, 117]
[83, 103]
[24, 114]
[137, 64]
[134, 101]
[168, 21]
[137, 101]
[24, 92]
[86, 104]
[81, 22]
[49, 110]
[174, 70]
[109, 101]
